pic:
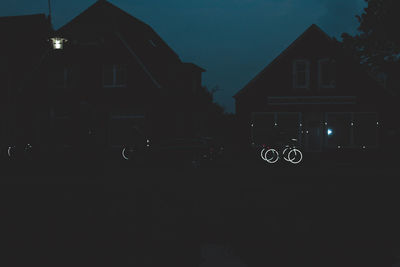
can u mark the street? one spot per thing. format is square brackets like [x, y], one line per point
[122, 214]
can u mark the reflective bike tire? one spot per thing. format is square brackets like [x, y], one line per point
[295, 156]
[274, 156]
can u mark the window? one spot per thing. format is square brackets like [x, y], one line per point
[268, 127]
[366, 129]
[114, 75]
[338, 129]
[262, 125]
[327, 73]
[61, 77]
[301, 74]
[383, 78]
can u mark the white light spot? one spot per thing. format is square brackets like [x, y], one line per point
[326, 123]
[57, 45]
[329, 132]
[58, 42]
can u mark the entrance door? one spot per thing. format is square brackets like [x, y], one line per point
[313, 131]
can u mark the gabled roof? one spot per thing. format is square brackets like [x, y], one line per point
[313, 29]
[142, 42]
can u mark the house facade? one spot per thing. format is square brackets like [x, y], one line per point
[315, 92]
[109, 74]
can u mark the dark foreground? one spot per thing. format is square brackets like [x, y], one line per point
[115, 214]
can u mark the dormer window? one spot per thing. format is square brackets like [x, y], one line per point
[327, 73]
[114, 75]
[301, 74]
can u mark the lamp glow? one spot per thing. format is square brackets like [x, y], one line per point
[58, 43]
[329, 132]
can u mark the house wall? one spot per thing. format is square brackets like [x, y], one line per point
[166, 110]
[351, 80]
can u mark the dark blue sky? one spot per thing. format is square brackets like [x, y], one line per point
[232, 39]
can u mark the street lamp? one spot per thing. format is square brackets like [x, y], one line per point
[58, 42]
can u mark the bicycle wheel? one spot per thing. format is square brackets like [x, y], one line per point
[126, 153]
[271, 156]
[263, 153]
[285, 153]
[10, 151]
[295, 156]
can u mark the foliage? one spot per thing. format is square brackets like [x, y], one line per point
[377, 44]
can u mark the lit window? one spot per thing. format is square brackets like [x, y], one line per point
[326, 73]
[301, 74]
[114, 75]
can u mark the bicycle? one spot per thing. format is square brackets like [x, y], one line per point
[20, 152]
[270, 155]
[290, 153]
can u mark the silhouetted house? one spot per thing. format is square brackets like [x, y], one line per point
[315, 92]
[115, 73]
[22, 47]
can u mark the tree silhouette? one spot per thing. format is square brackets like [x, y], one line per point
[377, 44]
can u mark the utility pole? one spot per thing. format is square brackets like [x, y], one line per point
[49, 2]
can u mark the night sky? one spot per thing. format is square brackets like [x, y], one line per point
[232, 39]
